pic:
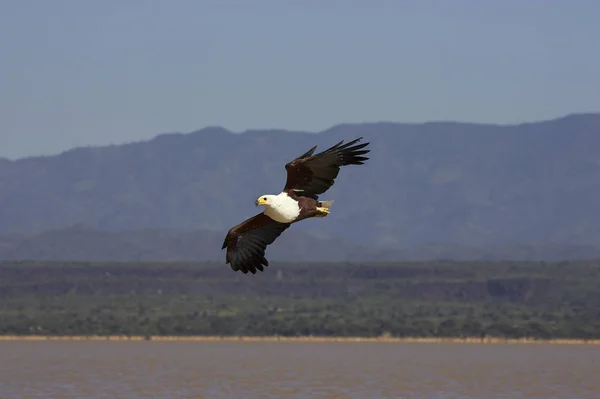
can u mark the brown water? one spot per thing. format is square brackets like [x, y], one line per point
[169, 370]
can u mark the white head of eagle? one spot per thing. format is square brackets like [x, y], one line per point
[281, 208]
[265, 200]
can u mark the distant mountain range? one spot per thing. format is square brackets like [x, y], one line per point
[440, 189]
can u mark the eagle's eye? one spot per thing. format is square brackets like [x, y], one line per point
[264, 198]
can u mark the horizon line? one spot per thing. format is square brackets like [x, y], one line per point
[332, 127]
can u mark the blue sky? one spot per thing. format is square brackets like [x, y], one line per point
[91, 73]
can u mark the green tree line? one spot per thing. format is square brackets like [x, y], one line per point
[421, 299]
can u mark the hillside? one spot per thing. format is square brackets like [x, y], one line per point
[453, 185]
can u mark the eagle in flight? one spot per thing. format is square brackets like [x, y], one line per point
[307, 176]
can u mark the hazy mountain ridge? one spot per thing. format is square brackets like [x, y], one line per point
[82, 243]
[459, 184]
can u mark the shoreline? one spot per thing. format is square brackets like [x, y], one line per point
[383, 339]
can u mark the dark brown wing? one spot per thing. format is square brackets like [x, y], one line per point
[246, 243]
[314, 174]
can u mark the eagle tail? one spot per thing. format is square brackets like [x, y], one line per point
[325, 204]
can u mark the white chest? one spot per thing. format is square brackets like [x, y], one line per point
[283, 209]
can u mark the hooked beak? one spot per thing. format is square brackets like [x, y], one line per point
[260, 201]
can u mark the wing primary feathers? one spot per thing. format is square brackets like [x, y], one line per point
[246, 243]
[307, 153]
[312, 175]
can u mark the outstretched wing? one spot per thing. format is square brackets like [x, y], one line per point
[311, 174]
[246, 243]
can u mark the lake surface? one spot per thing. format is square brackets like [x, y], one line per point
[170, 370]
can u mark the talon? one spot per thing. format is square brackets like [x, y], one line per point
[323, 210]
